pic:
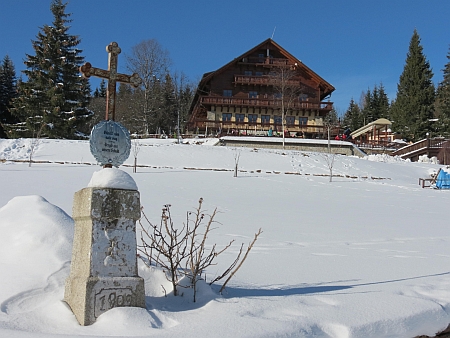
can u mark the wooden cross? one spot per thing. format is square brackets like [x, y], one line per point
[112, 77]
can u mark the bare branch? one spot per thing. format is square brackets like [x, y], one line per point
[243, 259]
[230, 268]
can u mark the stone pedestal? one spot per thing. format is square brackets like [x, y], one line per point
[104, 272]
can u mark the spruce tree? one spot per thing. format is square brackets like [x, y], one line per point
[353, 118]
[8, 91]
[443, 102]
[376, 104]
[382, 103]
[54, 96]
[101, 91]
[367, 110]
[413, 107]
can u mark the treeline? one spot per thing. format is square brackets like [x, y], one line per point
[419, 108]
[55, 101]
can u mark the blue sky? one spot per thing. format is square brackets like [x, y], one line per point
[353, 44]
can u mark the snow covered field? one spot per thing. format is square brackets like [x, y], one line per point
[367, 255]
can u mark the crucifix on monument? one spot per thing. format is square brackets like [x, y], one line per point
[110, 141]
[104, 270]
[112, 77]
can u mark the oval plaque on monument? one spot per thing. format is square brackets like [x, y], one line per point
[110, 143]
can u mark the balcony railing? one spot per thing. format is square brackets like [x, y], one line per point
[262, 80]
[428, 143]
[257, 102]
[202, 123]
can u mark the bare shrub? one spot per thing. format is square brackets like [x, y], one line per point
[164, 246]
[185, 252]
[34, 143]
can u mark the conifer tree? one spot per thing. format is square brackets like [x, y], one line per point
[376, 105]
[382, 103]
[367, 110]
[8, 91]
[413, 107]
[353, 117]
[101, 91]
[54, 96]
[443, 102]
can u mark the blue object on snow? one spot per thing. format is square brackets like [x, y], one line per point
[443, 180]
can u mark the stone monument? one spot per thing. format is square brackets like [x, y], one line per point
[104, 272]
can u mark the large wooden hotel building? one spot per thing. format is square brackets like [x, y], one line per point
[244, 96]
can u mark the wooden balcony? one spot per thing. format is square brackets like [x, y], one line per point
[268, 61]
[258, 126]
[268, 103]
[263, 80]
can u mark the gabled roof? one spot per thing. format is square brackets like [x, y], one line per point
[326, 87]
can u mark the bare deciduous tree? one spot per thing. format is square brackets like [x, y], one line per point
[136, 148]
[151, 62]
[331, 122]
[183, 95]
[287, 85]
[34, 142]
[237, 156]
[329, 160]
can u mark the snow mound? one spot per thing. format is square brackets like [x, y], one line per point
[426, 159]
[383, 158]
[36, 241]
[112, 178]
[202, 141]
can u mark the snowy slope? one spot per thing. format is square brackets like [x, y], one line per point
[363, 256]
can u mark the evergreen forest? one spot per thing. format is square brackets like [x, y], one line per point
[53, 100]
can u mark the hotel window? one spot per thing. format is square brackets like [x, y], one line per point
[259, 73]
[265, 118]
[252, 95]
[240, 117]
[226, 116]
[277, 119]
[252, 118]
[303, 97]
[290, 120]
[228, 93]
[303, 121]
[248, 73]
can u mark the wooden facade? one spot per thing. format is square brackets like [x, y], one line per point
[244, 96]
